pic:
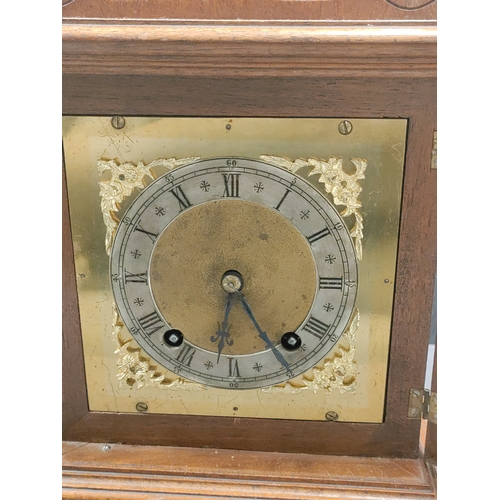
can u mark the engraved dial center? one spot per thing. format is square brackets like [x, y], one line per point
[224, 246]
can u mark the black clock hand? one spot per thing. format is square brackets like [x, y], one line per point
[222, 334]
[262, 334]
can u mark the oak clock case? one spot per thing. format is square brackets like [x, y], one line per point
[226, 267]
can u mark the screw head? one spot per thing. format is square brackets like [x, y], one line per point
[106, 447]
[141, 406]
[118, 122]
[228, 127]
[345, 127]
[331, 416]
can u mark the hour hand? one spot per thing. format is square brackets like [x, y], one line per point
[222, 335]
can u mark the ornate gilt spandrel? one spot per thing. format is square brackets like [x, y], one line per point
[343, 187]
[125, 178]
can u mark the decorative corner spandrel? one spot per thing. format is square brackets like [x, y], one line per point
[125, 177]
[343, 187]
[338, 372]
[136, 370]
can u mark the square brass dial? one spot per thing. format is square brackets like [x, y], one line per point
[357, 164]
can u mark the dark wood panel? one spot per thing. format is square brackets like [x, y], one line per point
[271, 97]
[373, 440]
[252, 9]
[416, 266]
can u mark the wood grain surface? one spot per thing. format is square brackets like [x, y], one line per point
[340, 10]
[228, 51]
[91, 471]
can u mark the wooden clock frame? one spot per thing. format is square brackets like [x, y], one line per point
[266, 68]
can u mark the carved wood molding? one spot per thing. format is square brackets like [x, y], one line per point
[222, 49]
[97, 471]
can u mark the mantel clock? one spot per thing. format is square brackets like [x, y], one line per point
[249, 248]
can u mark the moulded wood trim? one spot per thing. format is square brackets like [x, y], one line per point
[228, 50]
[91, 471]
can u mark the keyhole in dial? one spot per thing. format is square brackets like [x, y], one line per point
[173, 338]
[291, 341]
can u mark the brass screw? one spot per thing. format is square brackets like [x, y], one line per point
[331, 416]
[118, 122]
[345, 127]
[141, 406]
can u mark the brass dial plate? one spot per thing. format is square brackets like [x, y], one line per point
[352, 381]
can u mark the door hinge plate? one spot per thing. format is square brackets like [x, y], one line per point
[434, 160]
[422, 403]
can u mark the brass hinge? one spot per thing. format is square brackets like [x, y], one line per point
[434, 158]
[422, 404]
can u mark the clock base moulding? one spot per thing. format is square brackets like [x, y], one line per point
[102, 471]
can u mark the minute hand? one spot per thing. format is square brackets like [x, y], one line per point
[262, 334]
